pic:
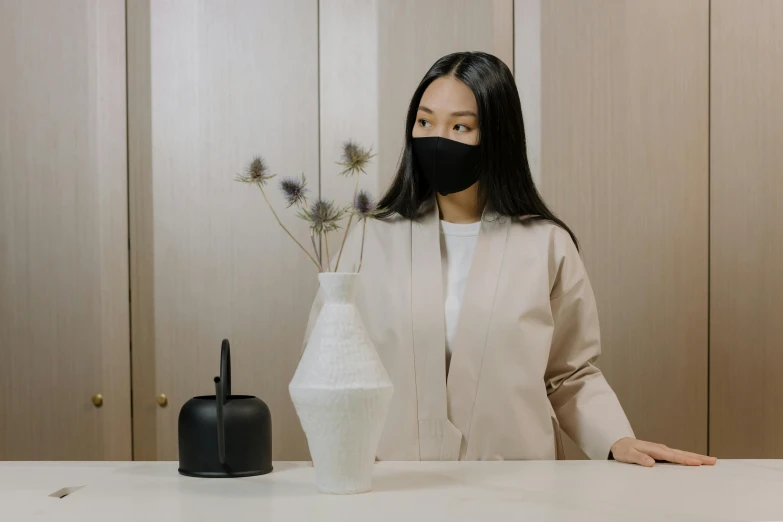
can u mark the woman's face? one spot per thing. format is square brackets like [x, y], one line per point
[448, 110]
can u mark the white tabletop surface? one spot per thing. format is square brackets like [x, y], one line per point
[475, 491]
[25, 487]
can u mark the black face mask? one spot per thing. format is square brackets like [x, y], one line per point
[448, 166]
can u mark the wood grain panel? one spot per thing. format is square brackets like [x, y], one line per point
[746, 125]
[141, 229]
[527, 72]
[625, 162]
[223, 81]
[63, 231]
[348, 50]
[412, 35]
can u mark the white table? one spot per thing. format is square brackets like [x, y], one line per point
[403, 492]
[25, 487]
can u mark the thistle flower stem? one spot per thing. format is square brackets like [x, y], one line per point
[286, 230]
[361, 251]
[317, 253]
[348, 227]
[326, 243]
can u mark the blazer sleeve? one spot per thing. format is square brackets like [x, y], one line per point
[586, 407]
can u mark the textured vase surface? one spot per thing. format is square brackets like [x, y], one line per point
[341, 392]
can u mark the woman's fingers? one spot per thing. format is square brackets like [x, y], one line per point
[690, 458]
[709, 461]
[637, 457]
[660, 452]
[625, 451]
[645, 453]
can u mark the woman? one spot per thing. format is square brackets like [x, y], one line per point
[475, 295]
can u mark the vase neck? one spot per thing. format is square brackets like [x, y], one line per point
[338, 287]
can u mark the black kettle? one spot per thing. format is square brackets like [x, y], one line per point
[225, 435]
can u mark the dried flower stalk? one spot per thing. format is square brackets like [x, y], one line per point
[322, 215]
[288, 231]
[355, 159]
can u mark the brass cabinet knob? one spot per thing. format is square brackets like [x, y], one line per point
[162, 400]
[97, 400]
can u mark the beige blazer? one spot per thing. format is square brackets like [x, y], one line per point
[524, 353]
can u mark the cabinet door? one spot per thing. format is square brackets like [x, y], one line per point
[746, 125]
[64, 325]
[211, 84]
[624, 161]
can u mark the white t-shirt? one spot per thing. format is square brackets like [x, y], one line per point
[457, 243]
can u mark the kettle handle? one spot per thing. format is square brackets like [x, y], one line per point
[222, 392]
[221, 427]
[225, 369]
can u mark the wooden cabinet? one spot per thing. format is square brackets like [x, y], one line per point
[746, 202]
[212, 85]
[624, 134]
[64, 325]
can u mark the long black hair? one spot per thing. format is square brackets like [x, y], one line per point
[505, 182]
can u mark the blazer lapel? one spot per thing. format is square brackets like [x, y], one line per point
[474, 321]
[438, 438]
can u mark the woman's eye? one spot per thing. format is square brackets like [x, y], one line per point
[424, 123]
[461, 128]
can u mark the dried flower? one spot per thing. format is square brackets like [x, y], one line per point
[256, 172]
[364, 206]
[323, 215]
[355, 158]
[294, 190]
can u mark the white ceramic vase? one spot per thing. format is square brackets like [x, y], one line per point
[341, 392]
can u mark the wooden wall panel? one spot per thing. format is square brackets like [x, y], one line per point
[746, 125]
[527, 73]
[64, 328]
[624, 161]
[349, 95]
[215, 84]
